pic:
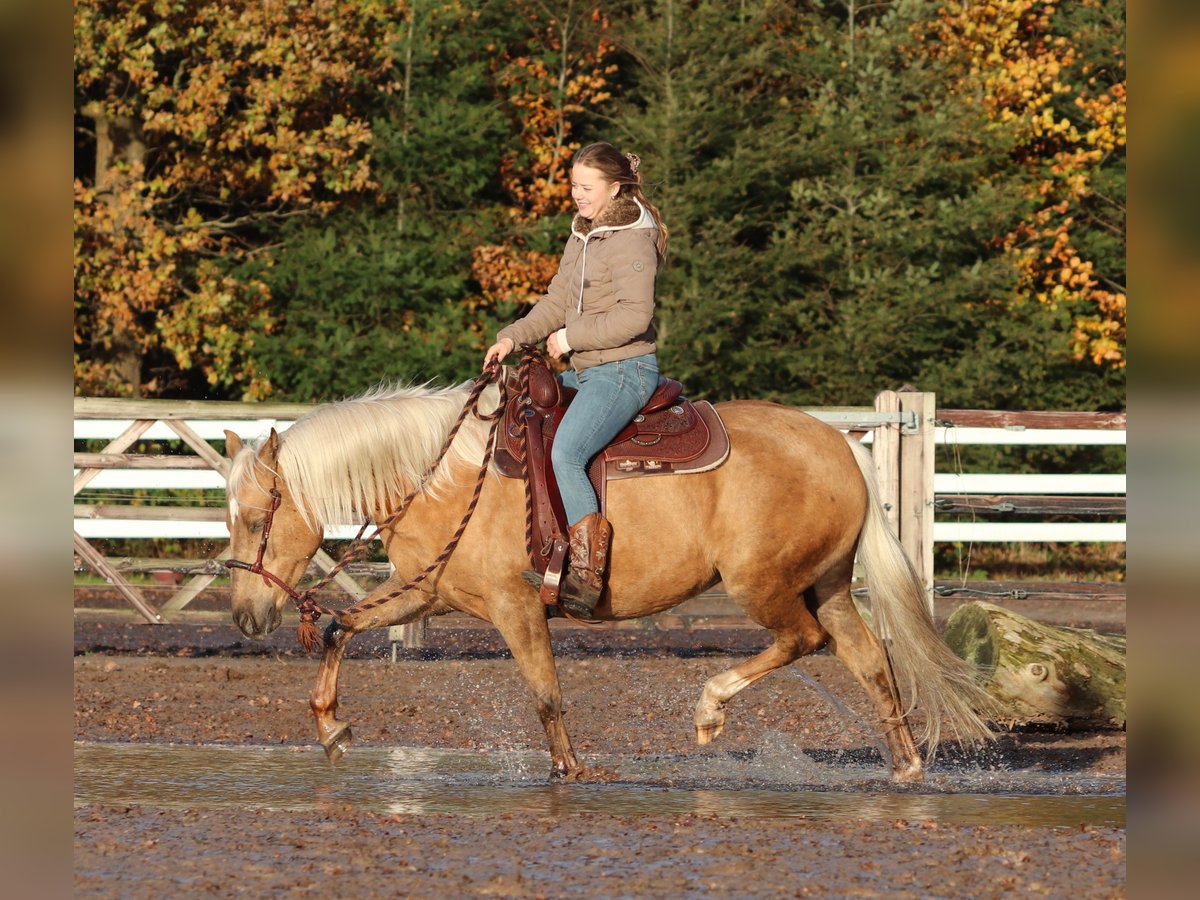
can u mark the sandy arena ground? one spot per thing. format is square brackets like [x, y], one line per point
[627, 692]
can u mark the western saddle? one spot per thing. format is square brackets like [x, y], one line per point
[670, 436]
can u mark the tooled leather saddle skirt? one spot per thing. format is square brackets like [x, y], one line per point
[670, 436]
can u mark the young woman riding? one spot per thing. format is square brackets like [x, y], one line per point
[599, 310]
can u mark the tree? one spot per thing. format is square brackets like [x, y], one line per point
[548, 78]
[209, 123]
[705, 84]
[302, 199]
[1053, 76]
[465, 230]
[838, 210]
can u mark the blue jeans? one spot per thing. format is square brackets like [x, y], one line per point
[610, 395]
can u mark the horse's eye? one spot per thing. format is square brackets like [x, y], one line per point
[256, 525]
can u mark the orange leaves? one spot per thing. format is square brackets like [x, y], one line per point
[1009, 57]
[213, 327]
[263, 99]
[562, 73]
[511, 275]
[550, 83]
[1106, 115]
[241, 112]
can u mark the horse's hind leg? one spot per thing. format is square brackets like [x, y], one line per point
[796, 634]
[853, 643]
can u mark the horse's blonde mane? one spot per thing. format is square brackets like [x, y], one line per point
[348, 460]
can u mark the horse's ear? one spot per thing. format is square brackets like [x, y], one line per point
[269, 453]
[233, 444]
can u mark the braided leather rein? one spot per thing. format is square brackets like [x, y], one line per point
[310, 612]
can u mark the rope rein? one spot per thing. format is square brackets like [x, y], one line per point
[527, 358]
[310, 611]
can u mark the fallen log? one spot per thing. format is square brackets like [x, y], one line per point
[1042, 674]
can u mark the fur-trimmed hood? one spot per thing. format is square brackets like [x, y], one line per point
[621, 213]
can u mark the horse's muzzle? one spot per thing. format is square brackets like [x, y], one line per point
[252, 626]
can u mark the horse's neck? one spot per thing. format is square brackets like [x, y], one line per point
[430, 505]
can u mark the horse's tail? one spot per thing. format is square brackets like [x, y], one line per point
[935, 681]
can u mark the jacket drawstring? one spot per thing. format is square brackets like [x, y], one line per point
[587, 237]
[582, 275]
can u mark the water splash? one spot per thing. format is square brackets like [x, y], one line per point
[834, 701]
[463, 782]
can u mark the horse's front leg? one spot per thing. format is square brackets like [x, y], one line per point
[523, 626]
[335, 735]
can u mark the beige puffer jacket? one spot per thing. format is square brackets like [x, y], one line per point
[603, 293]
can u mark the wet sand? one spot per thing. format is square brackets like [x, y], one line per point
[625, 694]
[145, 852]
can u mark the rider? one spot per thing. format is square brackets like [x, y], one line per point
[599, 309]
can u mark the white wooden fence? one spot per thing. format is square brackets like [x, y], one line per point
[905, 428]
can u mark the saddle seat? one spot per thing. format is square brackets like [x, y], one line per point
[671, 435]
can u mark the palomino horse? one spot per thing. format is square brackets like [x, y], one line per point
[779, 524]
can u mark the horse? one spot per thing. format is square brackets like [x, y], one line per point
[779, 524]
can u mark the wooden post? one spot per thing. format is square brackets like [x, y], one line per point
[886, 451]
[916, 484]
[411, 636]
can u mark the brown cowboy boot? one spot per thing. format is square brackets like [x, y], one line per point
[590, 537]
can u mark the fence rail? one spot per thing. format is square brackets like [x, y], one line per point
[904, 427]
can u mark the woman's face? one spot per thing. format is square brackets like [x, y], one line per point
[591, 191]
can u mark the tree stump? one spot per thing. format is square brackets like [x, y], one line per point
[1041, 674]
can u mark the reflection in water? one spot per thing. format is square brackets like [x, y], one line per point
[416, 780]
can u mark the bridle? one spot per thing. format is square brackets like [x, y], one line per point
[310, 611]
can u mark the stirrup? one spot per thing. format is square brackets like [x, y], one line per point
[576, 605]
[577, 608]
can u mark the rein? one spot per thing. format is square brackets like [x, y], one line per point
[528, 357]
[307, 633]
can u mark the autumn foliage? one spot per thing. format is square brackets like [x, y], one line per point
[1068, 118]
[295, 199]
[209, 122]
[550, 82]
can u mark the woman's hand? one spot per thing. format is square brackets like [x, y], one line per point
[554, 347]
[498, 351]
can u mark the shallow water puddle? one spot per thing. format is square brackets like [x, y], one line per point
[418, 780]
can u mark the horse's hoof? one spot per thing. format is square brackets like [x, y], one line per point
[568, 775]
[706, 734]
[338, 744]
[562, 770]
[913, 773]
